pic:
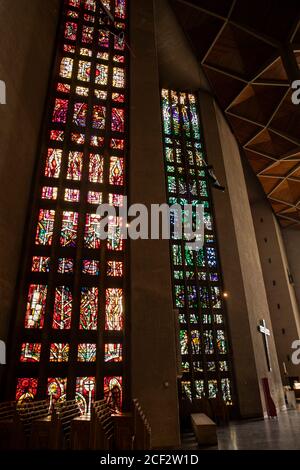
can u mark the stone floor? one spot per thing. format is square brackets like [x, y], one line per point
[269, 434]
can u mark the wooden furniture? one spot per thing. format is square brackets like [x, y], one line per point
[80, 432]
[62, 419]
[102, 427]
[123, 430]
[7, 423]
[142, 429]
[205, 429]
[27, 413]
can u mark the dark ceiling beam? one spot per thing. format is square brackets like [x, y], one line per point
[243, 118]
[262, 37]
[203, 10]
[294, 30]
[269, 83]
[290, 62]
[285, 136]
[225, 72]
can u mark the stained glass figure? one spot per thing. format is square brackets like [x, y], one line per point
[75, 166]
[84, 71]
[113, 392]
[114, 310]
[117, 120]
[85, 393]
[118, 77]
[94, 197]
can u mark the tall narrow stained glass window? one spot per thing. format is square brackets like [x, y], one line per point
[197, 293]
[73, 315]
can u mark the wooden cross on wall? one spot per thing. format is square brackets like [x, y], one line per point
[262, 328]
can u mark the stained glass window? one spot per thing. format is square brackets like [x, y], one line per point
[75, 287]
[113, 392]
[114, 310]
[62, 308]
[89, 308]
[113, 352]
[36, 303]
[206, 361]
[59, 352]
[31, 352]
[87, 352]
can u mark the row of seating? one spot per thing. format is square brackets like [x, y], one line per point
[32, 425]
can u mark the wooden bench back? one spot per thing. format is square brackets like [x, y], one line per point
[63, 416]
[102, 426]
[142, 428]
[7, 410]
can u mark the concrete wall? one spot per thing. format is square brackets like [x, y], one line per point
[153, 367]
[281, 295]
[291, 239]
[27, 37]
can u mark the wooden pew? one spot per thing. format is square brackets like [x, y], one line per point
[27, 413]
[102, 427]
[61, 427]
[142, 429]
[7, 424]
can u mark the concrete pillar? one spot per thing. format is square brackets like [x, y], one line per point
[153, 365]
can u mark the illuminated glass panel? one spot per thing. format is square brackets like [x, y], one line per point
[91, 267]
[89, 308]
[113, 352]
[84, 71]
[118, 120]
[80, 114]
[69, 227]
[96, 168]
[44, 231]
[71, 31]
[94, 197]
[118, 77]
[85, 393]
[97, 141]
[50, 193]
[114, 240]
[72, 195]
[114, 310]
[36, 304]
[87, 352]
[99, 116]
[66, 67]
[65, 265]
[40, 264]
[60, 111]
[113, 392]
[59, 352]
[62, 308]
[53, 163]
[196, 274]
[75, 166]
[26, 389]
[114, 268]
[92, 231]
[116, 171]
[101, 77]
[56, 135]
[31, 352]
[57, 390]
